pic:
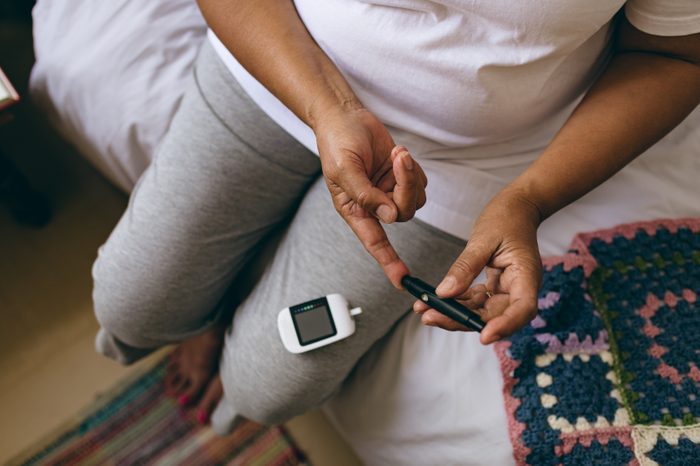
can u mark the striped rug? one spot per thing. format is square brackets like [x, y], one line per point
[137, 424]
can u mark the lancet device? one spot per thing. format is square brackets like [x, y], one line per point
[446, 306]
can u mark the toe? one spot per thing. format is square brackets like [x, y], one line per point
[173, 372]
[181, 389]
[196, 385]
[173, 382]
[181, 386]
[212, 395]
[172, 376]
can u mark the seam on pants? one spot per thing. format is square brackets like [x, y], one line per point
[243, 141]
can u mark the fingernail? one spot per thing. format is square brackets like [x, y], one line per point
[385, 212]
[446, 285]
[202, 416]
[407, 161]
[183, 400]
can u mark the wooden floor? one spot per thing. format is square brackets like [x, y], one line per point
[48, 367]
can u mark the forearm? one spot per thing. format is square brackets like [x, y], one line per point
[269, 39]
[639, 98]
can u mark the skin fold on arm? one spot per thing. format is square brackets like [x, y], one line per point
[650, 85]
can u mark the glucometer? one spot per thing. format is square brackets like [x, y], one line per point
[316, 323]
[446, 306]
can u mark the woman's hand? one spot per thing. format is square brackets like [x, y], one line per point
[369, 178]
[504, 240]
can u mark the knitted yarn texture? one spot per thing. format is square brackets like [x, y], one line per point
[607, 373]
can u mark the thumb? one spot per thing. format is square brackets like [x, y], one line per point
[465, 269]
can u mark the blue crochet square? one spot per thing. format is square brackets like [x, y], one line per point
[614, 453]
[649, 292]
[675, 455]
[554, 393]
[567, 320]
[613, 352]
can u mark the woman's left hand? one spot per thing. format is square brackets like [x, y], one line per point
[504, 241]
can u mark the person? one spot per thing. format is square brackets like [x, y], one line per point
[511, 112]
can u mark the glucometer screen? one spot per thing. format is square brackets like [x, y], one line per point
[313, 321]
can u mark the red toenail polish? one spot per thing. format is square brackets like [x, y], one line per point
[202, 416]
[183, 400]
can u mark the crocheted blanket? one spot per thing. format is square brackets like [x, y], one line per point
[607, 373]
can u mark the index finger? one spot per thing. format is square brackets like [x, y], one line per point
[373, 237]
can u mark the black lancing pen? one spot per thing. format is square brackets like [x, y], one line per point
[446, 306]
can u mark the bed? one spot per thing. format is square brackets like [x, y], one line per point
[110, 76]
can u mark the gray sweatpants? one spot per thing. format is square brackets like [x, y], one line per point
[224, 177]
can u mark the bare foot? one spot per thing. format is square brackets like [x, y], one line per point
[192, 374]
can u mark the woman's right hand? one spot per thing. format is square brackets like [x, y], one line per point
[370, 179]
[367, 176]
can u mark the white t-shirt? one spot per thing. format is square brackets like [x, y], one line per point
[474, 89]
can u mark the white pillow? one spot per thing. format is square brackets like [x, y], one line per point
[111, 75]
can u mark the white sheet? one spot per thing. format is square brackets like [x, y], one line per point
[111, 74]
